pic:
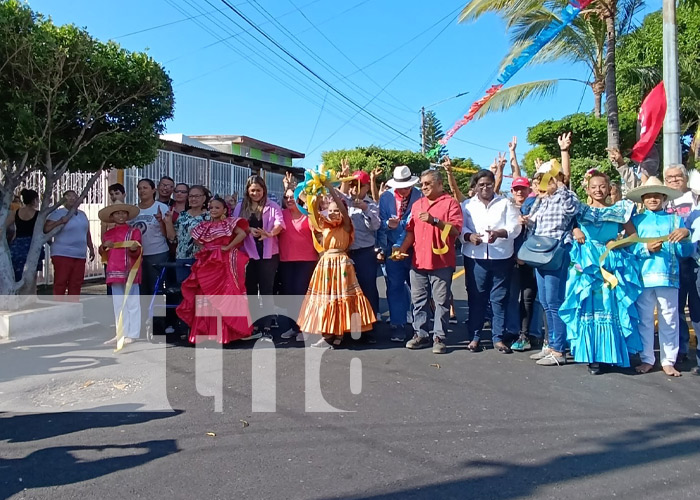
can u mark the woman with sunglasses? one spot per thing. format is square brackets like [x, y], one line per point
[180, 199]
[179, 228]
[266, 223]
[298, 256]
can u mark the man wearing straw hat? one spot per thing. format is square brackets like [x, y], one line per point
[121, 246]
[659, 272]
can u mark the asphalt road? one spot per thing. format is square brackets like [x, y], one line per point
[461, 425]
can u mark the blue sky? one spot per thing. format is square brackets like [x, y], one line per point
[241, 87]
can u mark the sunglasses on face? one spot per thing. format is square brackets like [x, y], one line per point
[181, 191]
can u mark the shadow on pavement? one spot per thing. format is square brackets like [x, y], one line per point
[61, 465]
[509, 480]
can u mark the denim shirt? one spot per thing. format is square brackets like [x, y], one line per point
[388, 238]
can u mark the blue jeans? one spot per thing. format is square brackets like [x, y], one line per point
[182, 271]
[536, 320]
[688, 293]
[487, 280]
[551, 290]
[365, 261]
[424, 284]
[398, 290]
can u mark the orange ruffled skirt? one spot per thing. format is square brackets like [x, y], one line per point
[334, 303]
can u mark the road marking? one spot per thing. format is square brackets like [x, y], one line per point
[457, 274]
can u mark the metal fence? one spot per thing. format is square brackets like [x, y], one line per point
[97, 198]
[275, 185]
[220, 177]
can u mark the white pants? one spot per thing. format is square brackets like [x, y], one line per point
[131, 317]
[667, 300]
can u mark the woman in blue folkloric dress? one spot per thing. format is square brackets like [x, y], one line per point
[601, 320]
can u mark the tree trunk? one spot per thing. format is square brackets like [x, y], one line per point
[598, 88]
[610, 90]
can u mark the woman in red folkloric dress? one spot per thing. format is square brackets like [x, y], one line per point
[216, 286]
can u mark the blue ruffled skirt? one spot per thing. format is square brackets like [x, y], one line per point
[602, 321]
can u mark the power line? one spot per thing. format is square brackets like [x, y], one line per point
[273, 75]
[284, 60]
[332, 44]
[159, 26]
[308, 69]
[313, 132]
[449, 22]
[328, 67]
[248, 30]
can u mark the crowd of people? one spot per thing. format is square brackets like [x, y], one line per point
[545, 270]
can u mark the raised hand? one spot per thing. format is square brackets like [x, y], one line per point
[447, 163]
[615, 157]
[376, 173]
[344, 168]
[512, 145]
[159, 215]
[168, 218]
[288, 180]
[538, 163]
[564, 141]
[501, 160]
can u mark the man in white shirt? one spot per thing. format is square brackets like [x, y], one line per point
[491, 225]
[676, 177]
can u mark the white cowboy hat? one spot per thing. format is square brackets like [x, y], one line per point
[403, 178]
[652, 185]
[105, 215]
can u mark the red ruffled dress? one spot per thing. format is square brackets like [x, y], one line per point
[216, 286]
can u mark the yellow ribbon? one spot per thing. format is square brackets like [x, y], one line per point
[610, 278]
[127, 289]
[443, 238]
[553, 172]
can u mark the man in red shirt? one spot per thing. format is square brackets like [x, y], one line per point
[436, 221]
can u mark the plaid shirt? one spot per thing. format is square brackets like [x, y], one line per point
[552, 215]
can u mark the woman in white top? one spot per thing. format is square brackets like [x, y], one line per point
[154, 241]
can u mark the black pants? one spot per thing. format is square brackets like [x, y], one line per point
[294, 279]
[260, 279]
[365, 261]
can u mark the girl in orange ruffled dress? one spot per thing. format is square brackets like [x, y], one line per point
[334, 303]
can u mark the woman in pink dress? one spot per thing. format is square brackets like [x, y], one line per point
[214, 294]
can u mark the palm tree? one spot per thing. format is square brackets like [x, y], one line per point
[590, 39]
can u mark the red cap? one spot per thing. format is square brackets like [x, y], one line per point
[520, 182]
[361, 176]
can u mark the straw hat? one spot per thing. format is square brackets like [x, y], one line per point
[105, 214]
[653, 185]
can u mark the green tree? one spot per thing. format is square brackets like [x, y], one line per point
[432, 133]
[640, 65]
[369, 158]
[538, 152]
[590, 39]
[588, 134]
[579, 167]
[69, 102]
[463, 169]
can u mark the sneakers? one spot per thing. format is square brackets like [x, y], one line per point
[522, 344]
[256, 335]
[289, 334]
[398, 333]
[439, 346]
[453, 320]
[542, 353]
[417, 342]
[552, 360]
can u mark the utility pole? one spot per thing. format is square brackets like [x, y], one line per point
[422, 130]
[672, 123]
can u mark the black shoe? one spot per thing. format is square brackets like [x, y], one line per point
[682, 358]
[695, 370]
[595, 369]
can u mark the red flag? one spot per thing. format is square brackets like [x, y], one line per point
[651, 118]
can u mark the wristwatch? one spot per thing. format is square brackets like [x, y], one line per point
[435, 221]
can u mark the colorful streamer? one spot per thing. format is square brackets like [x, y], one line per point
[127, 289]
[568, 14]
[313, 186]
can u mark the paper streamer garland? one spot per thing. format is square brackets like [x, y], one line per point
[127, 289]
[568, 14]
